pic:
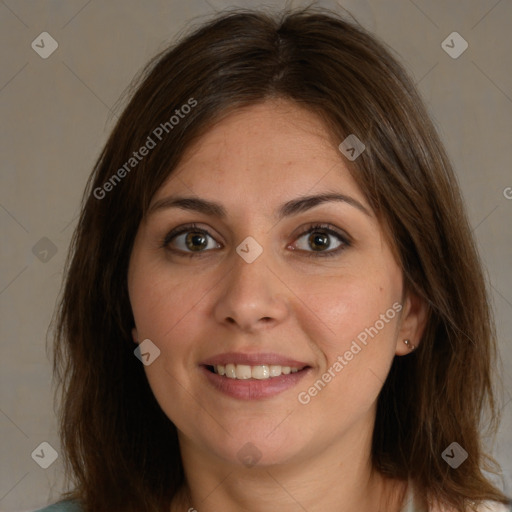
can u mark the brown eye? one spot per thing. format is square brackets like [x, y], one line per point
[319, 238]
[188, 240]
[196, 241]
[319, 241]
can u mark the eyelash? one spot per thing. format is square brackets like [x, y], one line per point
[324, 228]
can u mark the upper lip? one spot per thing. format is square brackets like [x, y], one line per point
[253, 359]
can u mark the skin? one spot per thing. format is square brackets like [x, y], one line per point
[315, 456]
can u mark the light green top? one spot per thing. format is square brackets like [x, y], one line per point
[410, 506]
[63, 506]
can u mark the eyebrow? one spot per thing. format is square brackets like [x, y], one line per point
[287, 209]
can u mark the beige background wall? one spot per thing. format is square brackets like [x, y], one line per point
[56, 114]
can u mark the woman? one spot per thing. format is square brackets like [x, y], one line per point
[273, 300]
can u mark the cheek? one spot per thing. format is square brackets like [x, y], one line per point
[357, 352]
[161, 302]
[339, 309]
[354, 335]
[165, 308]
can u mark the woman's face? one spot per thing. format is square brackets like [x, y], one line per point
[267, 281]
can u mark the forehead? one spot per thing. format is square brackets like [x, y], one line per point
[269, 151]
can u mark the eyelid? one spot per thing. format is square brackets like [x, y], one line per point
[344, 238]
[180, 230]
[184, 229]
[325, 226]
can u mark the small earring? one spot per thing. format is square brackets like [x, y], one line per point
[409, 344]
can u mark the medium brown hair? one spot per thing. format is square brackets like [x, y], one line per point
[121, 451]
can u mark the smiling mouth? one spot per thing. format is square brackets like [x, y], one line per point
[257, 372]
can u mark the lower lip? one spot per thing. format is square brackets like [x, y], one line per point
[253, 389]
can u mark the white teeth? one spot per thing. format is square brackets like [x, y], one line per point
[259, 372]
[231, 371]
[275, 370]
[243, 371]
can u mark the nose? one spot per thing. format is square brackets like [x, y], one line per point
[251, 297]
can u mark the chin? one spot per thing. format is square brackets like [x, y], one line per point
[260, 449]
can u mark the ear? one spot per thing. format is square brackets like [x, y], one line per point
[135, 335]
[413, 321]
